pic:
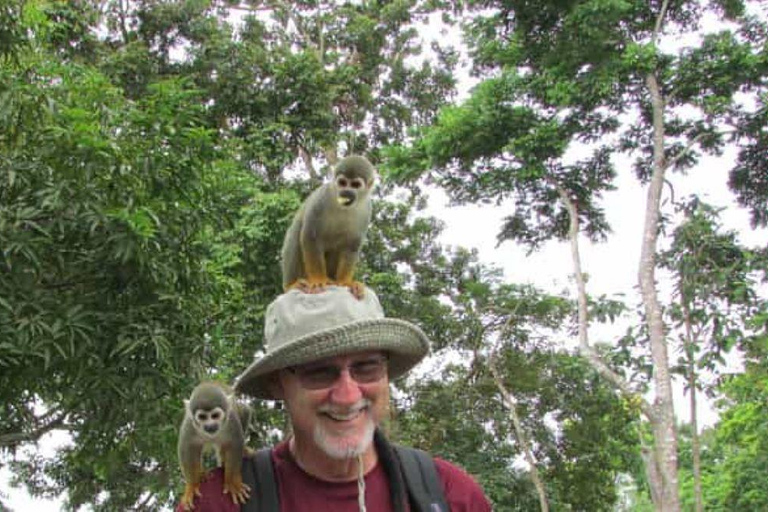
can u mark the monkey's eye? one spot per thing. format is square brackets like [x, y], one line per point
[342, 182]
[216, 415]
[356, 183]
[201, 416]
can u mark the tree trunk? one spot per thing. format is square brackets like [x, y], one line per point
[695, 448]
[585, 349]
[652, 473]
[690, 340]
[665, 435]
[525, 444]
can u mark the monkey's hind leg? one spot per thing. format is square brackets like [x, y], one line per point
[233, 478]
[345, 272]
[314, 268]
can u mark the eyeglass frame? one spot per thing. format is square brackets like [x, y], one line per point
[302, 371]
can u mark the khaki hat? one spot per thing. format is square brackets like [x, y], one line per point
[303, 327]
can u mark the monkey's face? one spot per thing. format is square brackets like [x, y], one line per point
[350, 189]
[209, 421]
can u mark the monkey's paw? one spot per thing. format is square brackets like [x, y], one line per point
[238, 490]
[311, 286]
[357, 289]
[188, 498]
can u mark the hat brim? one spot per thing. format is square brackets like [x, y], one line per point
[405, 344]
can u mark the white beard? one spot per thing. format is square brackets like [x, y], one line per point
[340, 447]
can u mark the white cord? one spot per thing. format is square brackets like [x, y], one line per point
[360, 484]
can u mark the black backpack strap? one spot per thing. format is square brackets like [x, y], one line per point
[418, 469]
[259, 475]
[422, 480]
[390, 462]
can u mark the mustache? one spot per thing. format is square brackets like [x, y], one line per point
[356, 407]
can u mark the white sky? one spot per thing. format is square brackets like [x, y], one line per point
[612, 266]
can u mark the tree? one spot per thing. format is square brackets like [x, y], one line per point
[714, 297]
[104, 284]
[732, 452]
[572, 423]
[596, 74]
[142, 207]
[303, 80]
[741, 434]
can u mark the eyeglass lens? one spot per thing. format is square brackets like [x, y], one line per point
[323, 376]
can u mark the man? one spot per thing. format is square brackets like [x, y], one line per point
[330, 358]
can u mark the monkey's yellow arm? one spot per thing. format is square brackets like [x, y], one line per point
[233, 479]
[193, 475]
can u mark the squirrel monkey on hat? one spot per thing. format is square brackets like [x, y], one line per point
[213, 418]
[322, 246]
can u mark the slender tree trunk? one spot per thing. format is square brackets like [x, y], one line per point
[585, 348]
[690, 340]
[652, 473]
[649, 455]
[695, 445]
[511, 403]
[664, 431]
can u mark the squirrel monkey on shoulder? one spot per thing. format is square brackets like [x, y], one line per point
[213, 418]
[322, 246]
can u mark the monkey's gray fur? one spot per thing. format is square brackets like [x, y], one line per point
[322, 245]
[213, 418]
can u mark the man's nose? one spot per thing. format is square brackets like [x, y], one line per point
[346, 390]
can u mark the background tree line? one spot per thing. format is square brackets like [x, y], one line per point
[152, 154]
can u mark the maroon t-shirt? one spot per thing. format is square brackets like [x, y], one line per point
[301, 492]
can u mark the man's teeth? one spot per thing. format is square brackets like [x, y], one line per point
[345, 417]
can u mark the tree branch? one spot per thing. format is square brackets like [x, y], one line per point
[671, 163]
[308, 163]
[123, 27]
[13, 439]
[299, 24]
[249, 8]
[321, 43]
[659, 21]
[331, 156]
[511, 402]
[585, 348]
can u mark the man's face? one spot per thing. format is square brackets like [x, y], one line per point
[336, 403]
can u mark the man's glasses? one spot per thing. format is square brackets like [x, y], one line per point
[322, 376]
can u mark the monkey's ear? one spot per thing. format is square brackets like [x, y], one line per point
[186, 406]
